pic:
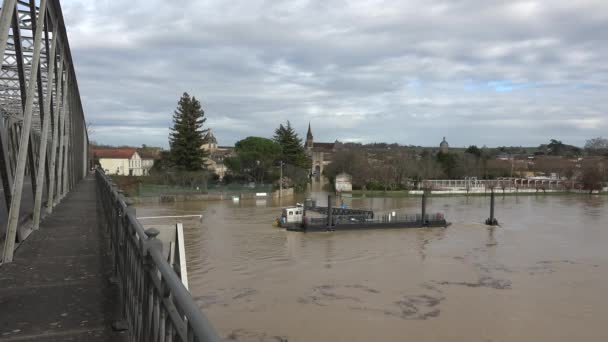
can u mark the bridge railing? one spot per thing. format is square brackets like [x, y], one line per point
[154, 304]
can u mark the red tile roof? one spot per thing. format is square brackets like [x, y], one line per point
[114, 153]
[148, 155]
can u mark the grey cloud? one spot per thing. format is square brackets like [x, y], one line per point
[397, 71]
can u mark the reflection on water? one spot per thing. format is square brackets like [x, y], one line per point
[541, 276]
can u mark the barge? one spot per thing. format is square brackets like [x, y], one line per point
[299, 218]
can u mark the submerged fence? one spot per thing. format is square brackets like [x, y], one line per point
[43, 136]
[154, 304]
[387, 218]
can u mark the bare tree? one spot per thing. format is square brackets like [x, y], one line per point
[90, 129]
[352, 161]
[591, 177]
[598, 143]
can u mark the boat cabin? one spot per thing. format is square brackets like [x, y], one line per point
[292, 215]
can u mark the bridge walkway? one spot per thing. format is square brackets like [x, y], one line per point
[57, 288]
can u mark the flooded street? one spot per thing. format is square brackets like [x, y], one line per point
[541, 276]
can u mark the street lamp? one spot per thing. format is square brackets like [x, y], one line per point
[281, 180]
[257, 163]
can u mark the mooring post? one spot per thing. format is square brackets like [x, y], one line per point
[423, 208]
[329, 213]
[492, 206]
[304, 219]
[492, 220]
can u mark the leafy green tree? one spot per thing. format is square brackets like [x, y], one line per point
[558, 148]
[187, 135]
[555, 147]
[256, 158]
[292, 149]
[163, 163]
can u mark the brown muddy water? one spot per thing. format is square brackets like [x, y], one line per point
[541, 276]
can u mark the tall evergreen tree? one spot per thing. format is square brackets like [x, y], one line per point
[187, 134]
[293, 150]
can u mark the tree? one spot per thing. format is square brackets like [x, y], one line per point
[163, 163]
[256, 158]
[591, 177]
[292, 149]
[353, 161]
[555, 147]
[470, 165]
[428, 167]
[474, 150]
[558, 148]
[187, 135]
[597, 146]
[295, 176]
[448, 163]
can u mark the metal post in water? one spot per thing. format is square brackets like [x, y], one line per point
[329, 213]
[492, 206]
[492, 220]
[423, 208]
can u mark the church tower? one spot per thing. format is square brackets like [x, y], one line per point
[309, 142]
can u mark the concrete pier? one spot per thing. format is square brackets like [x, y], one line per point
[57, 287]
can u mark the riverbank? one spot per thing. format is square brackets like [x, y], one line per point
[143, 190]
[211, 196]
[440, 193]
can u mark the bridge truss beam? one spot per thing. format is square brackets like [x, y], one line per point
[43, 132]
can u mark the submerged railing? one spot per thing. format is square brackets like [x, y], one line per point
[154, 304]
[358, 219]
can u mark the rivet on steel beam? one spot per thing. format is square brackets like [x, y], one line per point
[151, 233]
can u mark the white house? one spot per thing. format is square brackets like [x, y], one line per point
[344, 182]
[147, 161]
[119, 161]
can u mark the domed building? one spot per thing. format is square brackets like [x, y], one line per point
[444, 146]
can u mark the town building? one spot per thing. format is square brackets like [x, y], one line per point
[215, 160]
[320, 153]
[123, 161]
[344, 182]
[147, 161]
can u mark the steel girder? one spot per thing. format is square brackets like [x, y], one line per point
[43, 135]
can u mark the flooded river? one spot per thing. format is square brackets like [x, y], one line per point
[541, 276]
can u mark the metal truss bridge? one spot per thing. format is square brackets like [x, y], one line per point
[76, 264]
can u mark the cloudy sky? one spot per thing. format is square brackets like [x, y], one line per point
[476, 71]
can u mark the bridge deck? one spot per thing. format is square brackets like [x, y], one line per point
[57, 288]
